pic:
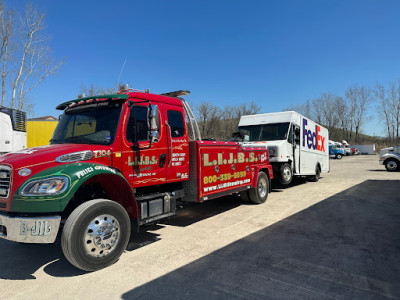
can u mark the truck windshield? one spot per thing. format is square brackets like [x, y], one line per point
[94, 123]
[266, 132]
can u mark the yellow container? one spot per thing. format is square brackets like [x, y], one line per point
[39, 133]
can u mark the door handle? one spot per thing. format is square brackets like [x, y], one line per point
[162, 160]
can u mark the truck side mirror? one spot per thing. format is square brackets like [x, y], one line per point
[152, 113]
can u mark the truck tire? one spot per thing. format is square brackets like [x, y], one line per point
[317, 176]
[338, 156]
[95, 234]
[259, 194]
[286, 174]
[392, 165]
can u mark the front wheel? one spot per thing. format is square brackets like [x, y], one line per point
[392, 165]
[259, 194]
[95, 234]
[286, 174]
[338, 156]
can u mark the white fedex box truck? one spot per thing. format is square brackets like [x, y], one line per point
[296, 145]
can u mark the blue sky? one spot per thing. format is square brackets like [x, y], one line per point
[276, 53]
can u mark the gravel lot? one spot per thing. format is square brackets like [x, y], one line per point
[337, 238]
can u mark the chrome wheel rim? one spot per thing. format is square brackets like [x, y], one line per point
[392, 165]
[102, 235]
[262, 188]
[287, 174]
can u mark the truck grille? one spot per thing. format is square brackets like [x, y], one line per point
[5, 181]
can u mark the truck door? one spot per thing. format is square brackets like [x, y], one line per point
[296, 148]
[144, 165]
[178, 144]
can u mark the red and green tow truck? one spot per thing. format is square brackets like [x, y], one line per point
[114, 163]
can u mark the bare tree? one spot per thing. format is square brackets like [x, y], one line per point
[93, 90]
[342, 114]
[6, 17]
[360, 98]
[384, 110]
[304, 109]
[209, 116]
[395, 96]
[317, 110]
[25, 57]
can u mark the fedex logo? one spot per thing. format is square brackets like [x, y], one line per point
[313, 139]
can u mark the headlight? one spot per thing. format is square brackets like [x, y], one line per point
[272, 151]
[47, 186]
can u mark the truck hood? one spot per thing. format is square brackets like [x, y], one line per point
[395, 149]
[44, 154]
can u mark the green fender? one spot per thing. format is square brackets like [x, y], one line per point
[76, 173]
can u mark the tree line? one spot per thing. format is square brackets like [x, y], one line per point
[345, 116]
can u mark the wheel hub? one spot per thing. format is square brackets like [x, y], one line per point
[102, 235]
[287, 174]
[392, 165]
[262, 188]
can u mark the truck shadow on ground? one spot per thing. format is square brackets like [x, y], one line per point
[346, 246]
[276, 187]
[190, 213]
[21, 261]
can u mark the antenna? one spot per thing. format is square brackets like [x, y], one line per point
[119, 77]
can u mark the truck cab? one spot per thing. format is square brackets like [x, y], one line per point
[336, 151]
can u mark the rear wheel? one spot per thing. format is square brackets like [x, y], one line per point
[259, 194]
[392, 165]
[317, 176]
[286, 174]
[95, 234]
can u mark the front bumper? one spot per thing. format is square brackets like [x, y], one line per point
[38, 230]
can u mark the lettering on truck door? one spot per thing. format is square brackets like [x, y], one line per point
[178, 144]
[143, 166]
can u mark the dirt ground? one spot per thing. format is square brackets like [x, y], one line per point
[336, 238]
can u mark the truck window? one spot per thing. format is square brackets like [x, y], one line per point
[274, 132]
[82, 125]
[137, 127]
[252, 131]
[94, 123]
[290, 137]
[175, 120]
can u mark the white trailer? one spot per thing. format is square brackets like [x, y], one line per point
[368, 149]
[12, 130]
[296, 145]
